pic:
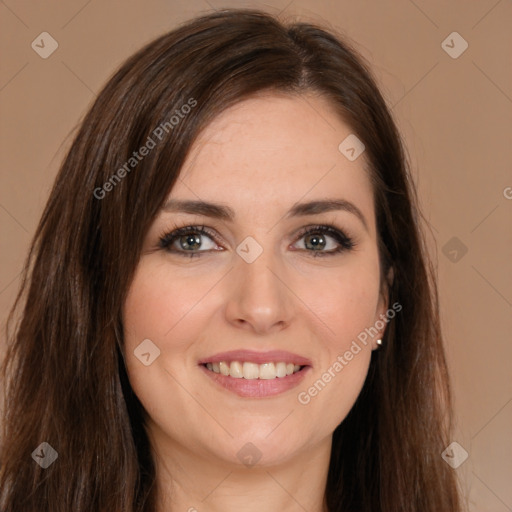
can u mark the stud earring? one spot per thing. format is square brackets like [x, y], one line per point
[379, 342]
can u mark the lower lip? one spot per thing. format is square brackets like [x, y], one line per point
[257, 388]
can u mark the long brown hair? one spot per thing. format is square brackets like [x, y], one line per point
[64, 374]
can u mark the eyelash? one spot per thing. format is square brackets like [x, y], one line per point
[345, 242]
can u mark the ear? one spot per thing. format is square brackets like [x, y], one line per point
[383, 305]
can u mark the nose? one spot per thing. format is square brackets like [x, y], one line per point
[259, 297]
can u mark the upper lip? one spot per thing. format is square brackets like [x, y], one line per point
[252, 356]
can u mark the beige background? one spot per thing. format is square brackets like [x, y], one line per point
[455, 115]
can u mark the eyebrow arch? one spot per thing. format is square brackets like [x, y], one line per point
[224, 212]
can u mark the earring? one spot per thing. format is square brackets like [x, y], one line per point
[379, 342]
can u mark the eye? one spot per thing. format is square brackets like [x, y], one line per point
[187, 241]
[316, 239]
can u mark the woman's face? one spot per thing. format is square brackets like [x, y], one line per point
[258, 287]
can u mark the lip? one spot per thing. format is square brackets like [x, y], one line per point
[252, 356]
[257, 388]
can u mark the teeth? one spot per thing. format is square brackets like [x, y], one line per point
[251, 371]
[224, 368]
[280, 370]
[236, 370]
[268, 371]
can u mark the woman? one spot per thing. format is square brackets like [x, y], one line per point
[228, 303]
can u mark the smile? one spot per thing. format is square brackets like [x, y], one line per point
[252, 371]
[252, 386]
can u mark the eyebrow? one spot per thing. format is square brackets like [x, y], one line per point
[224, 212]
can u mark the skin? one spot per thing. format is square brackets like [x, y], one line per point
[259, 157]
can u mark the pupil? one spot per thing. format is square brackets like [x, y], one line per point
[315, 242]
[190, 240]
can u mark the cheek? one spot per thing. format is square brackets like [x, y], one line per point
[159, 304]
[344, 311]
[158, 307]
[163, 307]
[345, 302]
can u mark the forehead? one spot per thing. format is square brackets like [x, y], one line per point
[274, 150]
